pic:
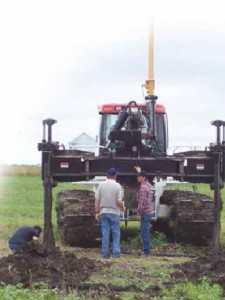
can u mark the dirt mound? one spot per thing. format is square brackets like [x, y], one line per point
[208, 266]
[65, 271]
[37, 264]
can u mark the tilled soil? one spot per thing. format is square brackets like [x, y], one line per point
[55, 268]
[212, 267]
[64, 270]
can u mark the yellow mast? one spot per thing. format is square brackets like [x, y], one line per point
[150, 82]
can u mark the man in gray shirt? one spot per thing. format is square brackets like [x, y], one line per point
[108, 205]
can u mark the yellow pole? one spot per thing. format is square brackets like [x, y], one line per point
[150, 82]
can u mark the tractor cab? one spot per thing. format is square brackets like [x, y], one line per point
[126, 130]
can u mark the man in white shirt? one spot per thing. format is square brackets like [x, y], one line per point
[108, 205]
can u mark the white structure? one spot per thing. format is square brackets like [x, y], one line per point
[83, 142]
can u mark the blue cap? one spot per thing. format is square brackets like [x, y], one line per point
[112, 171]
[142, 174]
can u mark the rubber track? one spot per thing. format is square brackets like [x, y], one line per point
[76, 222]
[192, 216]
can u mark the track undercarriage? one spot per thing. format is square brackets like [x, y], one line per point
[191, 217]
[76, 222]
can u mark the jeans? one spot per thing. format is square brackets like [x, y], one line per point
[110, 226]
[14, 247]
[145, 233]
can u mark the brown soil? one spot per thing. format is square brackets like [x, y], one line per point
[55, 268]
[65, 270]
[212, 267]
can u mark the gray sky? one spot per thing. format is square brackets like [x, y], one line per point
[61, 59]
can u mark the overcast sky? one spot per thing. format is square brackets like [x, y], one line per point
[61, 59]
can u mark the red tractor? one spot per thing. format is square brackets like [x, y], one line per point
[132, 135]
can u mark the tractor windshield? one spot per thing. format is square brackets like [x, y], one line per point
[108, 122]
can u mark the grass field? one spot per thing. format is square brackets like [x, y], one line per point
[21, 198]
[21, 202]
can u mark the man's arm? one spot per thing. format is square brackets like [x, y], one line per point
[120, 204]
[35, 234]
[97, 209]
[97, 202]
[120, 196]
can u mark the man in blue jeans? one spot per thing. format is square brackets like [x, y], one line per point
[144, 209]
[108, 204]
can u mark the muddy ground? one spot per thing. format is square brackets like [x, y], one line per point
[67, 271]
[55, 268]
[212, 267]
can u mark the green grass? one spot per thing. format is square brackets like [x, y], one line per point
[21, 202]
[17, 292]
[137, 271]
[40, 292]
[191, 291]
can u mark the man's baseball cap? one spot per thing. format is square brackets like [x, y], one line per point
[112, 171]
[142, 174]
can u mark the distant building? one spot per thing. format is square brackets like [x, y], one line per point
[83, 142]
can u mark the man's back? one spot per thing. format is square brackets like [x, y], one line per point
[109, 192]
[23, 234]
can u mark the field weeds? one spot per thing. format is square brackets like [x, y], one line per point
[20, 170]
